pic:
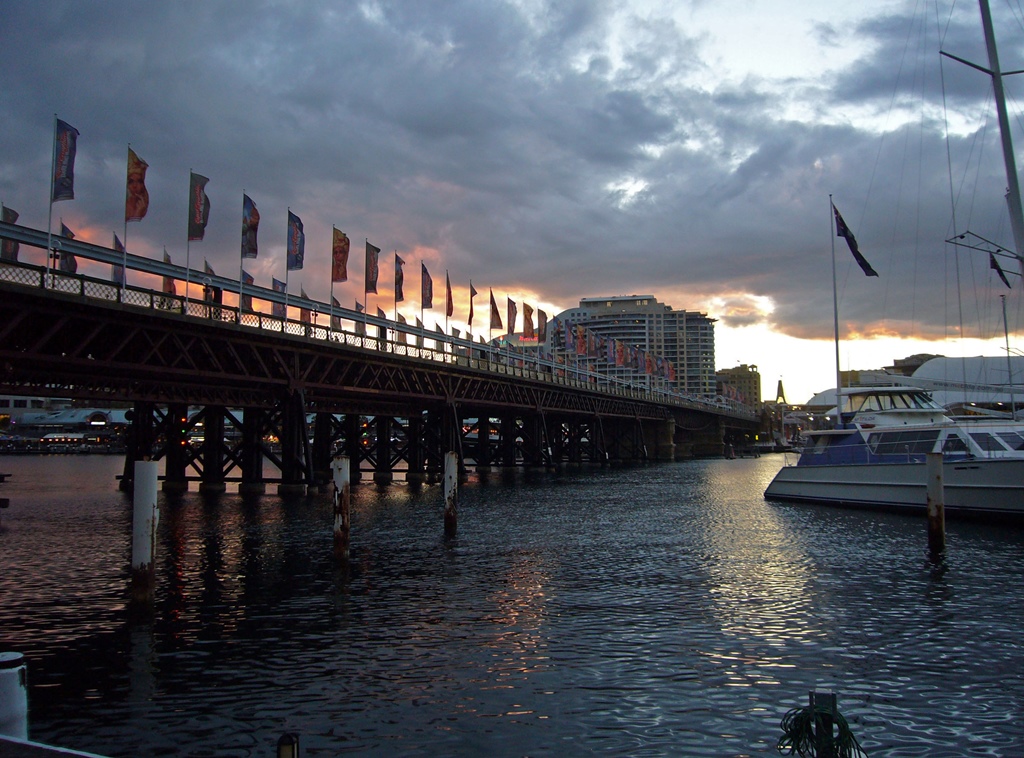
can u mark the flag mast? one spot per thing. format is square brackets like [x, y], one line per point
[49, 220]
[835, 313]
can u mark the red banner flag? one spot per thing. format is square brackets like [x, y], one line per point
[198, 206]
[528, 332]
[495, 316]
[449, 305]
[339, 256]
[136, 199]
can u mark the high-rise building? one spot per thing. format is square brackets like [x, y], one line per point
[686, 338]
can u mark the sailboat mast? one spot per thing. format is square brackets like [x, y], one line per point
[1013, 200]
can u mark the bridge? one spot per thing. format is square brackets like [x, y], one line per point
[218, 389]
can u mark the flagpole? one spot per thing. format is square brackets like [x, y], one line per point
[330, 329]
[124, 242]
[241, 262]
[49, 221]
[835, 314]
[366, 297]
[188, 242]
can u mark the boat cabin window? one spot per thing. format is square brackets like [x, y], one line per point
[987, 441]
[909, 442]
[1012, 440]
[954, 443]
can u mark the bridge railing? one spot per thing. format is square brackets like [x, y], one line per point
[357, 330]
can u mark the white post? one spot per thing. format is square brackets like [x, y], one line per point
[451, 492]
[145, 517]
[936, 505]
[13, 696]
[340, 471]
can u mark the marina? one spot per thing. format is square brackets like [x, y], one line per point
[651, 610]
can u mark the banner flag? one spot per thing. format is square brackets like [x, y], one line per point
[449, 305]
[542, 326]
[9, 249]
[370, 277]
[305, 314]
[198, 206]
[248, 281]
[278, 310]
[335, 320]
[495, 316]
[168, 283]
[296, 243]
[117, 269]
[513, 312]
[528, 332]
[250, 226]
[472, 294]
[65, 146]
[339, 256]
[399, 278]
[68, 262]
[426, 288]
[136, 198]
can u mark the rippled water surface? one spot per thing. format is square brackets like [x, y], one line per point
[661, 610]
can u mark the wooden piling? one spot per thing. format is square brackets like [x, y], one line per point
[936, 505]
[451, 493]
[341, 473]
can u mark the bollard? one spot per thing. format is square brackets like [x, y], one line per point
[13, 696]
[145, 517]
[936, 505]
[340, 472]
[451, 493]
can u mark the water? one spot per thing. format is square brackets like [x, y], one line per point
[660, 610]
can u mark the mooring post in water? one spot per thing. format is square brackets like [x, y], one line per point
[145, 517]
[13, 696]
[341, 473]
[824, 706]
[451, 493]
[936, 505]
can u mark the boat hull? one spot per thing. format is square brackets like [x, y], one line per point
[983, 488]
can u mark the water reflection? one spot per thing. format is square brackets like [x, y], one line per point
[657, 610]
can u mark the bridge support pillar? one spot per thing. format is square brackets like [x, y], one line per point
[323, 432]
[213, 451]
[508, 441]
[353, 445]
[176, 452]
[484, 448]
[253, 422]
[382, 473]
[141, 439]
[414, 435]
[295, 458]
[662, 434]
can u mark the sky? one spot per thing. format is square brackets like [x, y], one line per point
[550, 150]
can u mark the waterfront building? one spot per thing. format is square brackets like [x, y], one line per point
[742, 384]
[685, 338]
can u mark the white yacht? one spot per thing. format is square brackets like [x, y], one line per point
[875, 457]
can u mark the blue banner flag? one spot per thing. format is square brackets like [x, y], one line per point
[250, 225]
[65, 145]
[198, 206]
[278, 309]
[296, 242]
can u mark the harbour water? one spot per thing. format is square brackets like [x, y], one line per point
[665, 610]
